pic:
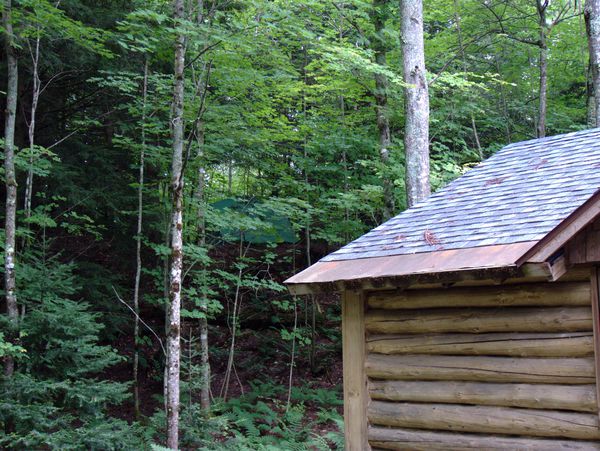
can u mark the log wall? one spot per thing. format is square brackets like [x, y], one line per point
[502, 367]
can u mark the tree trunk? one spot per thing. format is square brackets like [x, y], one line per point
[204, 354]
[203, 321]
[592, 21]
[138, 243]
[416, 130]
[35, 95]
[543, 91]
[461, 47]
[590, 104]
[10, 177]
[177, 182]
[381, 110]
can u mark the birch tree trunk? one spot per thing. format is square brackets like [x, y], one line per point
[174, 335]
[592, 21]
[381, 99]
[10, 177]
[416, 130]
[138, 245]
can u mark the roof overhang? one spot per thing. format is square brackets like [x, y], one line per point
[444, 266]
[541, 259]
[563, 232]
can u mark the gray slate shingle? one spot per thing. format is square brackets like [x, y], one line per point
[519, 194]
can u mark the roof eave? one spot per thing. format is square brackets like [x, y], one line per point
[444, 266]
[492, 275]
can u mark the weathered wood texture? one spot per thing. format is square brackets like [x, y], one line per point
[574, 344]
[574, 227]
[419, 440]
[480, 320]
[585, 246]
[486, 369]
[535, 294]
[355, 380]
[579, 398]
[484, 419]
[458, 368]
[595, 300]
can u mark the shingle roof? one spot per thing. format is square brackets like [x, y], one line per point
[518, 195]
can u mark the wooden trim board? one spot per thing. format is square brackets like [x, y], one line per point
[355, 378]
[595, 298]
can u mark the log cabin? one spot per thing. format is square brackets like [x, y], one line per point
[471, 320]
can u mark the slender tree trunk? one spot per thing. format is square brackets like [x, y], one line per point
[35, 95]
[543, 91]
[10, 176]
[204, 348]
[592, 21]
[504, 104]
[381, 110]
[234, 323]
[416, 131]
[138, 250]
[307, 228]
[203, 322]
[461, 47]
[174, 336]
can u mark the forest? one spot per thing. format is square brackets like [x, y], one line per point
[167, 165]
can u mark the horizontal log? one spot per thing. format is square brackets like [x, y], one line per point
[416, 440]
[532, 294]
[510, 319]
[573, 344]
[579, 398]
[484, 419]
[483, 369]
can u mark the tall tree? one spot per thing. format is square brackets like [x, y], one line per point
[175, 279]
[378, 16]
[416, 129]
[201, 90]
[9, 173]
[592, 22]
[34, 51]
[138, 243]
[547, 18]
[542, 6]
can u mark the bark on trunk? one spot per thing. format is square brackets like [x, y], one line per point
[592, 21]
[177, 182]
[416, 132]
[381, 110]
[10, 177]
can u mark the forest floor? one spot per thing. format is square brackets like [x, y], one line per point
[261, 357]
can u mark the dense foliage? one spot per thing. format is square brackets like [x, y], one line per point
[282, 166]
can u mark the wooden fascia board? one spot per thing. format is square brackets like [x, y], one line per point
[563, 232]
[497, 275]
